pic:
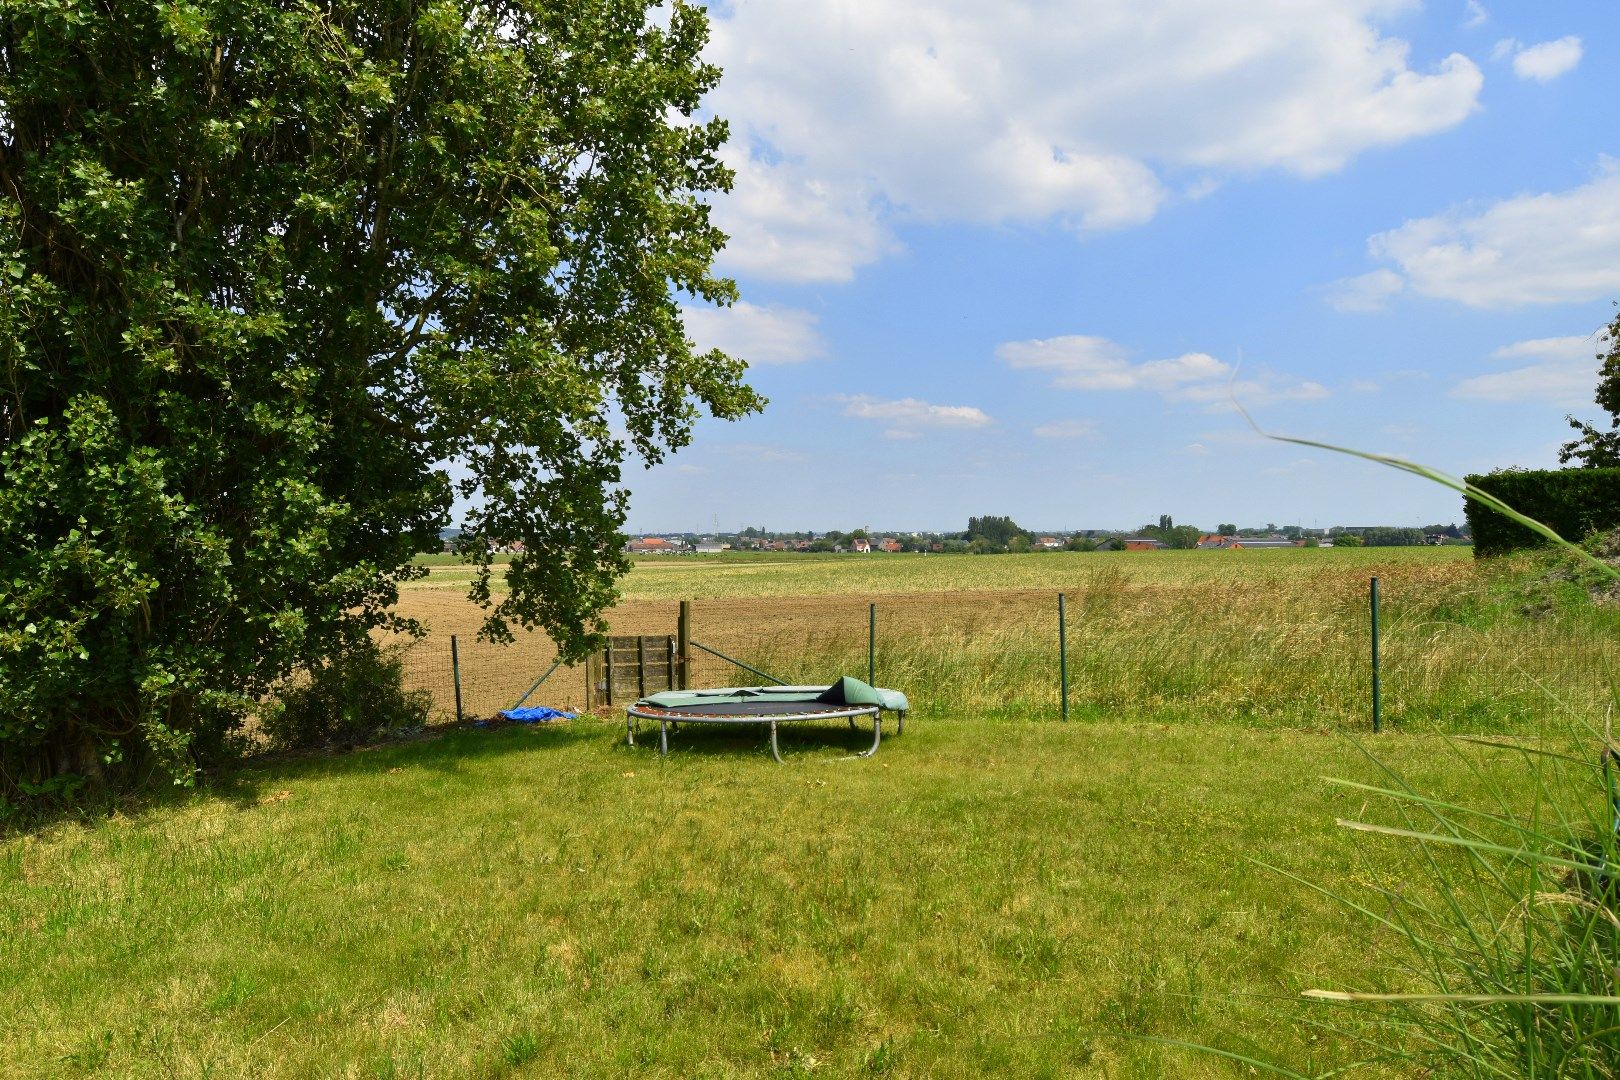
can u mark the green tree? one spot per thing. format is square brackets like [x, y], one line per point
[1597, 448]
[1227, 529]
[278, 284]
[997, 532]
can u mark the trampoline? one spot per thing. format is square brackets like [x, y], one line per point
[769, 706]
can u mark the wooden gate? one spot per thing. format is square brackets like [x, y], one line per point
[631, 668]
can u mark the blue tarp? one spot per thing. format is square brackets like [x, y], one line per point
[535, 714]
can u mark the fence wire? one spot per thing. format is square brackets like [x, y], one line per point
[1231, 652]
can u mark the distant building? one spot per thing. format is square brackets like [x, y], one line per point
[710, 547]
[1142, 543]
[1048, 543]
[1238, 543]
[861, 544]
[890, 544]
[652, 545]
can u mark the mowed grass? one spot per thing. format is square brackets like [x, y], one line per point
[726, 576]
[981, 898]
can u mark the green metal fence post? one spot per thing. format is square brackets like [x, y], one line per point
[871, 644]
[1377, 719]
[1063, 656]
[455, 674]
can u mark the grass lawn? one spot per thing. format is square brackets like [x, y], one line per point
[979, 899]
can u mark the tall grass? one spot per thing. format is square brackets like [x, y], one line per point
[1500, 949]
[1504, 950]
[1460, 654]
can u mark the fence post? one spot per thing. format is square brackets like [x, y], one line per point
[1377, 718]
[1063, 656]
[455, 674]
[871, 644]
[683, 645]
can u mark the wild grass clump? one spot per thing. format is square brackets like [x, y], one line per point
[1503, 943]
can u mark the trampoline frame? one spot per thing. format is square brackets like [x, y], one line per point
[673, 717]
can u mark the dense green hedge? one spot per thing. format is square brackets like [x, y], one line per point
[1574, 502]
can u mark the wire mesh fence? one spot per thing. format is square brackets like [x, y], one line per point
[1233, 653]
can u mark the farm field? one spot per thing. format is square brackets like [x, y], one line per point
[982, 898]
[730, 576]
[1263, 638]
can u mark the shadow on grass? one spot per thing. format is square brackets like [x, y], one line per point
[753, 740]
[251, 781]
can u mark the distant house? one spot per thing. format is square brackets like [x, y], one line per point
[936, 547]
[652, 545]
[890, 544]
[1143, 543]
[802, 545]
[861, 544]
[1048, 543]
[710, 547]
[1239, 543]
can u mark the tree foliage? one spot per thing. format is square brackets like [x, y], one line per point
[1597, 448]
[996, 532]
[278, 282]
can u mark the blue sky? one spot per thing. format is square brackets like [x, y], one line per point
[1013, 258]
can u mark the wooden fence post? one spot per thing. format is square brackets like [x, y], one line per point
[683, 645]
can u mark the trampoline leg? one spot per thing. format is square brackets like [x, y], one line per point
[852, 723]
[877, 736]
[900, 723]
[629, 729]
[663, 739]
[775, 752]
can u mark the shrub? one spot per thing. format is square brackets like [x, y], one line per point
[347, 700]
[1573, 502]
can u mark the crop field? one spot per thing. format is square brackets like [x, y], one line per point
[1264, 638]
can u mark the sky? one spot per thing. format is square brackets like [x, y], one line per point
[1019, 258]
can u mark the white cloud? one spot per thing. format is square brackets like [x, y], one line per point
[1252, 393]
[1552, 248]
[1080, 362]
[760, 335]
[1365, 292]
[907, 415]
[851, 115]
[1083, 362]
[1068, 429]
[1564, 372]
[1474, 14]
[1548, 60]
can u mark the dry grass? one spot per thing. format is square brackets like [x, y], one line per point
[1267, 638]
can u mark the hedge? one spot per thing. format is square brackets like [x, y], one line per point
[1573, 502]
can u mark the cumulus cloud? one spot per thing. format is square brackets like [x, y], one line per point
[1084, 362]
[1080, 362]
[760, 335]
[1068, 429]
[851, 115]
[1364, 292]
[1474, 14]
[1549, 248]
[908, 417]
[1544, 62]
[1563, 372]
